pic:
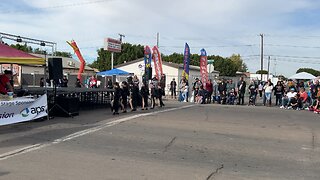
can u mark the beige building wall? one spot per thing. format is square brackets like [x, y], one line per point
[137, 68]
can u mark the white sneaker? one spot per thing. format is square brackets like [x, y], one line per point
[281, 107]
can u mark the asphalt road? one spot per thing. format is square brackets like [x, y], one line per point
[181, 141]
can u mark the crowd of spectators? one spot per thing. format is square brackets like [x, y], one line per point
[288, 94]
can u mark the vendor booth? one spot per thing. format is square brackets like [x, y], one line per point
[111, 72]
[116, 74]
[20, 109]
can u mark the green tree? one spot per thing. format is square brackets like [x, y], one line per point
[29, 49]
[282, 77]
[238, 62]
[178, 58]
[129, 53]
[195, 59]
[63, 54]
[174, 58]
[309, 70]
[262, 72]
[225, 66]
[38, 51]
[24, 47]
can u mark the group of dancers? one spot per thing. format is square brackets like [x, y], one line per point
[133, 93]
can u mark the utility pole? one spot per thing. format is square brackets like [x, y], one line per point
[261, 56]
[268, 68]
[157, 40]
[121, 36]
[275, 66]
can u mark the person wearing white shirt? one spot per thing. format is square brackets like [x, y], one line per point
[267, 91]
[287, 97]
[260, 88]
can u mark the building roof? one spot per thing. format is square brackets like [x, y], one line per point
[68, 63]
[171, 64]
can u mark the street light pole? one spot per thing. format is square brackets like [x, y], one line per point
[268, 68]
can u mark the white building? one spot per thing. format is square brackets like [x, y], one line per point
[265, 77]
[171, 70]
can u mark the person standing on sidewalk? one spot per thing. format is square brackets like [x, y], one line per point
[209, 88]
[253, 90]
[124, 96]
[278, 92]
[267, 92]
[116, 98]
[173, 88]
[260, 88]
[162, 83]
[144, 93]
[241, 90]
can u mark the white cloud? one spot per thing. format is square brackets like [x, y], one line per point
[203, 23]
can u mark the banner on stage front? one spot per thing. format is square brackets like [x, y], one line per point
[203, 67]
[186, 62]
[20, 111]
[156, 56]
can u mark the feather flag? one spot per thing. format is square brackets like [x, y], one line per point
[186, 62]
[203, 67]
[74, 46]
[156, 56]
[147, 62]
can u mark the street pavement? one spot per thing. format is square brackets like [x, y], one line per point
[180, 141]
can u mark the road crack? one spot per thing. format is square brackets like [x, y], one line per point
[169, 144]
[216, 171]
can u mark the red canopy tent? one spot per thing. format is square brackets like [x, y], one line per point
[13, 56]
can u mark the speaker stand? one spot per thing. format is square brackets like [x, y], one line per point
[63, 110]
[55, 102]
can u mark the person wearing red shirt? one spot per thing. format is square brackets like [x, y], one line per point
[303, 97]
[5, 85]
[93, 82]
[209, 88]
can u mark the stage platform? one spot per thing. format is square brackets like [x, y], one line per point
[89, 98]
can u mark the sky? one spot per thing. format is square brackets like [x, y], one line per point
[290, 28]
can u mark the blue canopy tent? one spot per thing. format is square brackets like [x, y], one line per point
[113, 72]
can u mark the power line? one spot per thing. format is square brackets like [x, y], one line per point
[286, 56]
[211, 46]
[297, 61]
[293, 36]
[292, 46]
[287, 60]
[75, 4]
[56, 6]
[297, 57]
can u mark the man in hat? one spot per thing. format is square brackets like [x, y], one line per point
[173, 87]
[287, 97]
[5, 85]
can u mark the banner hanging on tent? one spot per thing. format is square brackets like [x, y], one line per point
[203, 67]
[186, 62]
[156, 56]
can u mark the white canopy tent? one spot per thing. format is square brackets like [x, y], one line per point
[302, 75]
